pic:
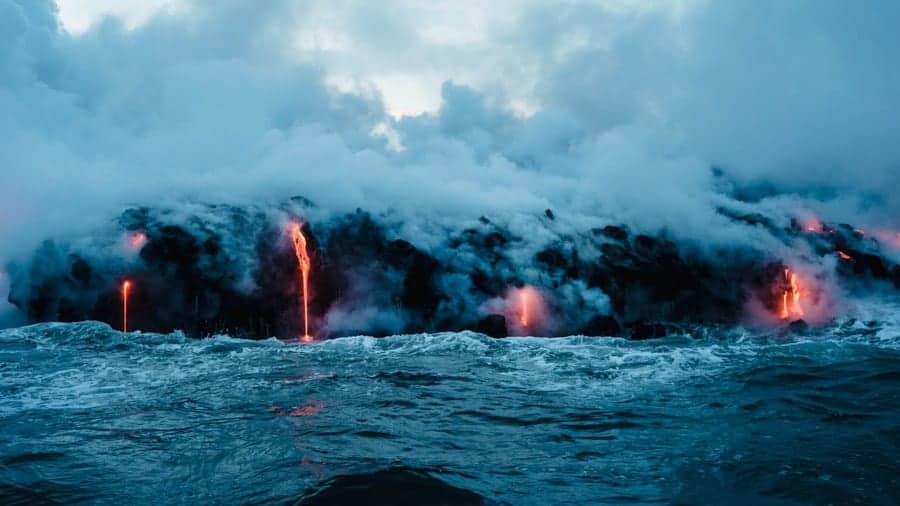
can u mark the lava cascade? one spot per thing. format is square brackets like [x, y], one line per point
[527, 309]
[790, 303]
[523, 317]
[304, 264]
[126, 288]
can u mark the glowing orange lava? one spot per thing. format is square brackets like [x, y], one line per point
[844, 256]
[304, 264]
[790, 300]
[126, 287]
[813, 225]
[136, 241]
[526, 310]
[523, 316]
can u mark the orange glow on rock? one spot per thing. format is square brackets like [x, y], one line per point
[795, 292]
[813, 225]
[304, 265]
[790, 303]
[526, 310]
[844, 256]
[523, 316]
[126, 287]
[136, 241]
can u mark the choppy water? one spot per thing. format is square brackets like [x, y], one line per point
[88, 414]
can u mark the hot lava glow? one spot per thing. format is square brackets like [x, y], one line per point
[526, 311]
[813, 225]
[136, 241]
[126, 287]
[844, 256]
[523, 316]
[304, 264]
[790, 303]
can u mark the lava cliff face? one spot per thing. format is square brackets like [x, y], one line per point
[224, 269]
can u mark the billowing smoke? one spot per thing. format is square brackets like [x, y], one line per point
[632, 163]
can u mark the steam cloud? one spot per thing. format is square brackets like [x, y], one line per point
[655, 116]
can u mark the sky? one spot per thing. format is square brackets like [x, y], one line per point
[414, 46]
[605, 110]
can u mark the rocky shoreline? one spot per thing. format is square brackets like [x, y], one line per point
[226, 269]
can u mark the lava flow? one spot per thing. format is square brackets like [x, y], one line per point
[523, 317]
[304, 264]
[813, 225]
[136, 241]
[525, 307]
[790, 300]
[126, 287]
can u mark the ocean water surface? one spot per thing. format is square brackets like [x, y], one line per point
[91, 415]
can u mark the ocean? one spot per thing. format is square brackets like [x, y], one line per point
[91, 415]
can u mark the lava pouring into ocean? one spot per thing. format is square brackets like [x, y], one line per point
[523, 317]
[126, 287]
[790, 303]
[304, 264]
[527, 310]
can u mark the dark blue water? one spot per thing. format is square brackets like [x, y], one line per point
[90, 415]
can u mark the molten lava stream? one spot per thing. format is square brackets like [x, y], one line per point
[126, 287]
[304, 264]
[790, 299]
[523, 317]
[526, 310]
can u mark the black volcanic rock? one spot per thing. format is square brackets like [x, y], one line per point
[356, 237]
[553, 258]
[397, 486]
[419, 292]
[798, 326]
[755, 219]
[493, 325]
[614, 232]
[556, 259]
[653, 279]
[602, 326]
[222, 269]
[640, 331]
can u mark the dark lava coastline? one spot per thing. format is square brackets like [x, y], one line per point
[229, 270]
